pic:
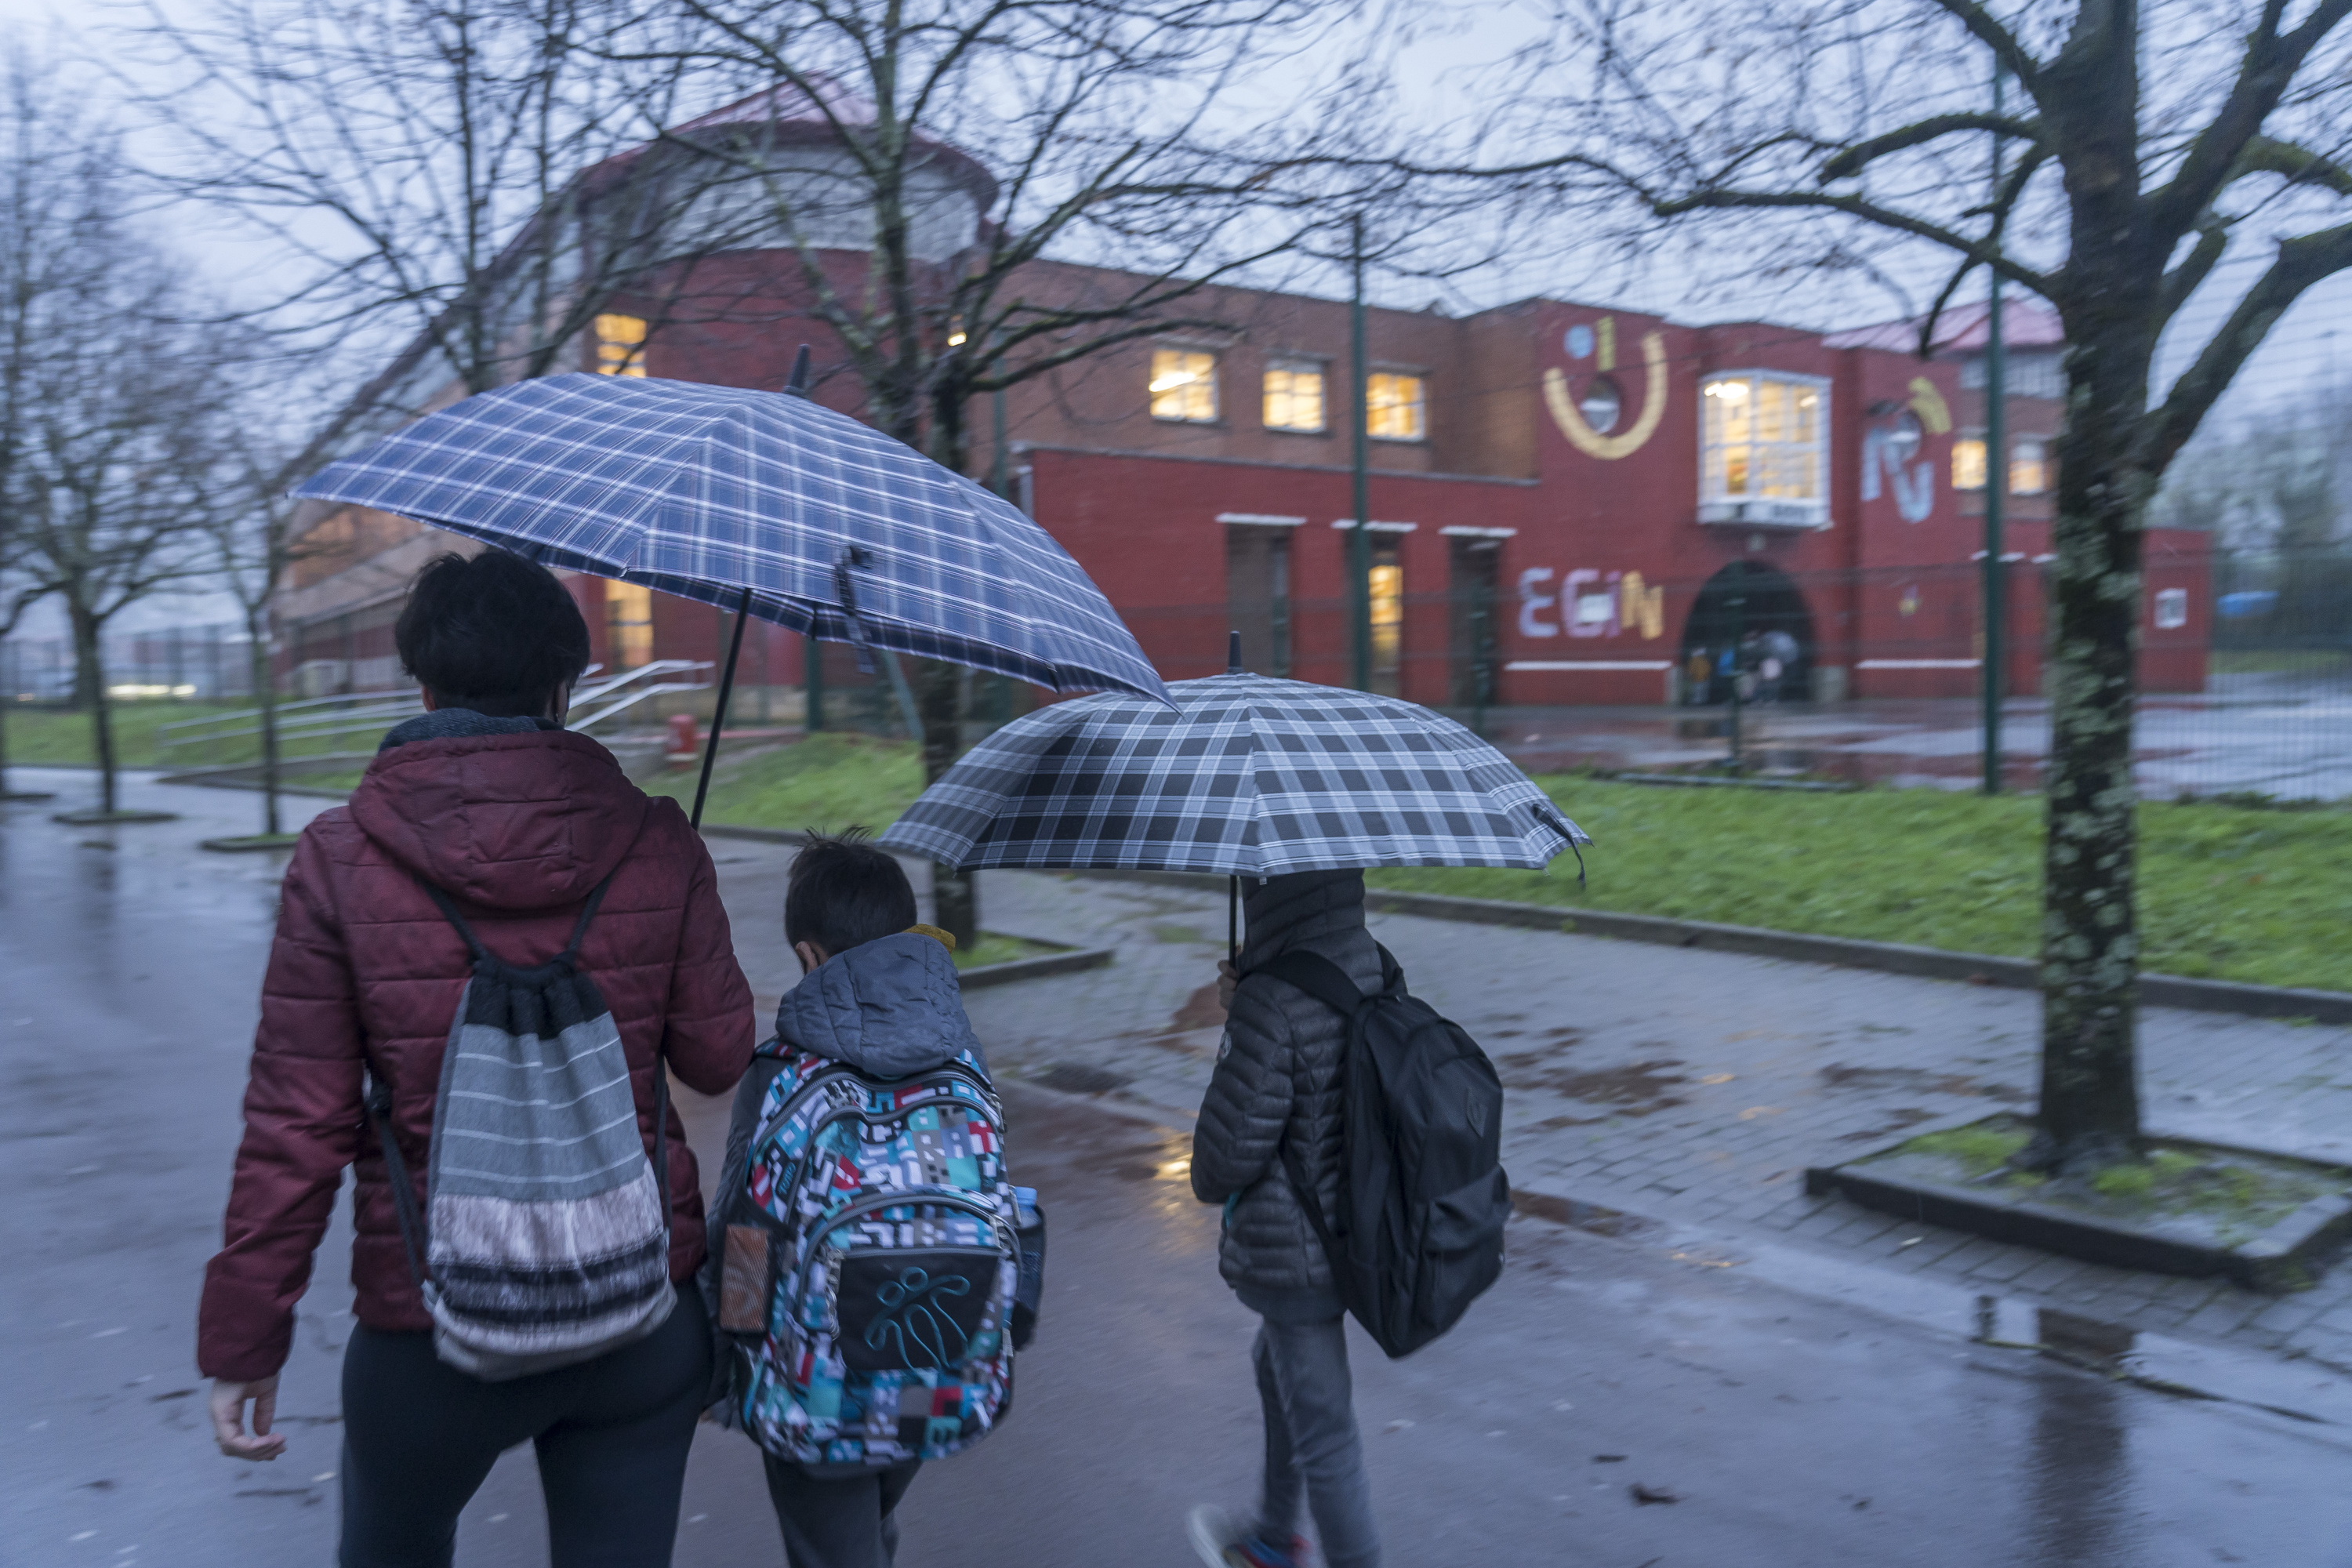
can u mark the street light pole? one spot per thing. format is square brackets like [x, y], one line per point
[1360, 536]
[1996, 492]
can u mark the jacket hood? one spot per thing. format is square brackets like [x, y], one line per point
[887, 1007]
[526, 821]
[1318, 911]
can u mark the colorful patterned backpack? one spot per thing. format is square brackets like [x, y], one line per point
[869, 1263]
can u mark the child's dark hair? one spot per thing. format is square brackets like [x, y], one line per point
[843, 892]
[494, 632]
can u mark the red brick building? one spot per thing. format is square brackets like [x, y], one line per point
[1569, 503]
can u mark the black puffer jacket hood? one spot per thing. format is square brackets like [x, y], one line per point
[1277, 1076]
[887, 1007]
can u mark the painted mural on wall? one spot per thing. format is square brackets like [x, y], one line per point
[1589, 411]
[1892, 444]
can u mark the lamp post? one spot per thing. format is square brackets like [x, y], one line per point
[1996, 493]
[1360, 536]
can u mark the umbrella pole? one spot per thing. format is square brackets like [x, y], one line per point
[1233, 919]
[719, 717]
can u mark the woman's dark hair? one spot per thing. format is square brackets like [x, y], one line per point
[494, 632]
[843, 892]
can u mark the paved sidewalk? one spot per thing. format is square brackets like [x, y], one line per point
[1680, 1086]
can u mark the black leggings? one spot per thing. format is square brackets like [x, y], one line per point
[419, 1437]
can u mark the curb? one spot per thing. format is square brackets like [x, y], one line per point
[1034, 968]
[1758, 942]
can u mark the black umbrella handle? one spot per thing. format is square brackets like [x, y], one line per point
[718, 718]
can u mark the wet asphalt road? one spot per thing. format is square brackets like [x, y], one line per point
[1794, 1430]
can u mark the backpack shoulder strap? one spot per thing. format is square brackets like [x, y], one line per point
[1318, 976]
[448, 907]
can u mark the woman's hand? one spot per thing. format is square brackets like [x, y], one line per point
[229, 1418]
[1227, 979]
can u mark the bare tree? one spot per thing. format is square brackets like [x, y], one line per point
[2142, 144]
[252, 542]
[462, 183]
[925, 163]
[110, 459]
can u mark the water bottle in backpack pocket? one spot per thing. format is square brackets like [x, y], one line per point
[870, 1266]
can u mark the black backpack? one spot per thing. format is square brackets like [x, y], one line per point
[1422, 1194]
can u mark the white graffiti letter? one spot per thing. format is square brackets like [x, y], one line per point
[1531, 601]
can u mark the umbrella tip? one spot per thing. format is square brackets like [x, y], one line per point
[798, 381]
[1233, 654]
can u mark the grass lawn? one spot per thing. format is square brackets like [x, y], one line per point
[2229, 892]
[830, 781]
[60, 738]
[2226, 891]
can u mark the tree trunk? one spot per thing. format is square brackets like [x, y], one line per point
[265, 699]
[89, 681]
[2090, 945]
[939, 701]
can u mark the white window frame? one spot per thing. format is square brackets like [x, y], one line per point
[1766, 512]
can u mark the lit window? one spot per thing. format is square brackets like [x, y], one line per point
[620, 345]
[1294, 396]
[628, 623]
[1387, 619]
[1969, 463]
[1394, 409]
[1184, 385]
[2028, 468]
[1763, 456]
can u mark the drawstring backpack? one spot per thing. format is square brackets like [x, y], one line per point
[545, 1240]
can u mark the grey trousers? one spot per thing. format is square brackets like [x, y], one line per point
[1312, 1448]
[839, 1522]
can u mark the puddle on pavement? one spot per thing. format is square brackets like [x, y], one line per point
[1916, 1081]
[1077, 1077]
[1639, 1088]
[1578, 1214]
[1202, 1010]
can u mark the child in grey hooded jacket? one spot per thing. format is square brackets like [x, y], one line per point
[880, 992]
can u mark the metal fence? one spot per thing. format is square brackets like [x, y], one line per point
[2248, 676]
[199, 663]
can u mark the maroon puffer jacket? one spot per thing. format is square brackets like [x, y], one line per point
[518, 830]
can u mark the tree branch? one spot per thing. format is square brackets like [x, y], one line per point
[2300, 262]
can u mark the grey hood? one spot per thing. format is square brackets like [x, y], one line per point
[888, 1007]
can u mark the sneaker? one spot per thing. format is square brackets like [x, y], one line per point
[1227, 1540]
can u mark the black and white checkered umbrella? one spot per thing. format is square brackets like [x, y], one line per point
[1243, 775]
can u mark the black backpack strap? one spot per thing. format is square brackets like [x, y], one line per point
[378, 1101]
[448, 907]
[1327, 983]
[1318, 977]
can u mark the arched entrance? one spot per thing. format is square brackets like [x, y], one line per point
[1758, 611]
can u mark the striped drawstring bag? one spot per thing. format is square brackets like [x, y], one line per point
[545, 1239]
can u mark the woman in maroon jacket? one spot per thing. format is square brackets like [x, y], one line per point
[487, 797]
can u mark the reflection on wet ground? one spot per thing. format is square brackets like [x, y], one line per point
[1798, 1413]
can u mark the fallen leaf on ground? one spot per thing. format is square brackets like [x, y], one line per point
[1648, 1494]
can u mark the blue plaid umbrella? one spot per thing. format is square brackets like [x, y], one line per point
[1243, 774]
[757, 499]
